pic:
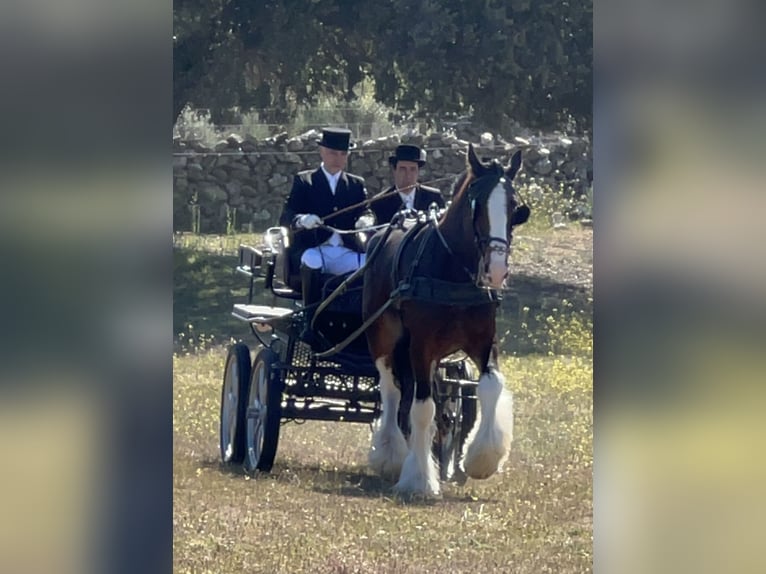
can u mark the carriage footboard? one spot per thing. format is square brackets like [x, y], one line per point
[259, 313]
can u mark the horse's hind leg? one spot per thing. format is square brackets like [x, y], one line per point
[489, 442]
[388, 448]
[420, 473]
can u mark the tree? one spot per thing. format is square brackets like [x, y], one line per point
[501, 60]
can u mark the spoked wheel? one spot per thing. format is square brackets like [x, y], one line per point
[263, 413]
[236, 381]
[454, 422]
[445, 445]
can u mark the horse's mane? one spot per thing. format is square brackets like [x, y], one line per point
[460, 184]
[458, 191]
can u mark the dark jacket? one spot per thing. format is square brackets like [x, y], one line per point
[311, 193]
[385, 209]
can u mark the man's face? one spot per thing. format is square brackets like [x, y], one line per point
[334, 160]
[405, 175]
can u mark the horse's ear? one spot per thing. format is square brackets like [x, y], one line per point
[473, 162]
[515, 165]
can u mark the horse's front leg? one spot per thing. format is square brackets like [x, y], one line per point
[489, 443]
[389, 448]
[420, 473]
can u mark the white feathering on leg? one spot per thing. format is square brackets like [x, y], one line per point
[420, 473]
[388, 448]
[489, 443]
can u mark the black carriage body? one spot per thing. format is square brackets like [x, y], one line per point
[343, 387]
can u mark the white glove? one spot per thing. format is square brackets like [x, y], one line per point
[309, 221]
[364, 221]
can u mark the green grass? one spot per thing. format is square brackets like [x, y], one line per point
[545, 201]
[321, 510]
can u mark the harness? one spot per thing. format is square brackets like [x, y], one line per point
[421, 287]
[412, 286]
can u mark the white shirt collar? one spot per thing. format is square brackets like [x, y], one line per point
[408, 199]
[331, 179]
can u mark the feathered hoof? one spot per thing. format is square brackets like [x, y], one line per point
[415, 481]
[486, 453]
[387, 454]
[483, 463]
[416, 492]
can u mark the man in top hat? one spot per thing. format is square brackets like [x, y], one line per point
[315, 196]
[405, 165]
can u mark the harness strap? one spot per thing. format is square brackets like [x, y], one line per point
[343, 287]
[438, 292]
[408, 236]
[451, 254]
[347, 341]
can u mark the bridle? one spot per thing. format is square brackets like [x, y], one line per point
[478, 194]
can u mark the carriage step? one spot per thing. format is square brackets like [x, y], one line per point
[286, 293]
[259, 313]
[329, 413]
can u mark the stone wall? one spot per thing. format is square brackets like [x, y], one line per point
[240, 184]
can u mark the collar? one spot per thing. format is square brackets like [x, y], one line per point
[331, 179]
[408, 198]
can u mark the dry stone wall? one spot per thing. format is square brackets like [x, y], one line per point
[241, 183]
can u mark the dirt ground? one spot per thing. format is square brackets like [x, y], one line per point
[560, 255]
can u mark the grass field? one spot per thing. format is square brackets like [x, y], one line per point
[321, 510]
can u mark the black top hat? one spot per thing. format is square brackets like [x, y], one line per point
[406, 152]
[336, 138]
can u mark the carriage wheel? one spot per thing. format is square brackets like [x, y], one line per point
[236, 381]
[263, 413]
[445, 445]
[457, 419]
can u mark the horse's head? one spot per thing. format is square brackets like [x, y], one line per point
[495, 212]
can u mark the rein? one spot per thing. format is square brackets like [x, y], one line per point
[343, 287]
[367, 202]
[410, 287]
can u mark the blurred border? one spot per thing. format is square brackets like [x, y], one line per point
[679, 117]
[85, 253]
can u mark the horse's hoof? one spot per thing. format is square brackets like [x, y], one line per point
[483, 463]
[459, 477]
[387, 454]
[417, 484]
[408, 494]
[383, 466]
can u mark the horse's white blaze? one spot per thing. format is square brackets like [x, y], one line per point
[388, 448]
[419, 473]
[498, 262]
[489, 443]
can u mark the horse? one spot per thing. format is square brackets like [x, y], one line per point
[434, 288]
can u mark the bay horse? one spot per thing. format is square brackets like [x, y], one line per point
[436, 285]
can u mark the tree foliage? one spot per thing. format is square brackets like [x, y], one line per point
[502, 60]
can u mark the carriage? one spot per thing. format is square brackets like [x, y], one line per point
[384, 340]
[282, 379]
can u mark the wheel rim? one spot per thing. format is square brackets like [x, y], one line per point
[256, 415]
[230, 401]
[447, 443]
